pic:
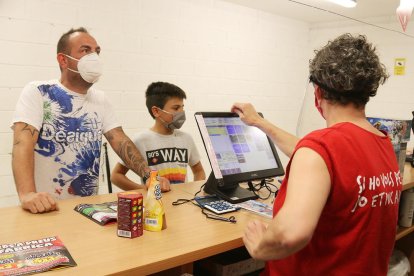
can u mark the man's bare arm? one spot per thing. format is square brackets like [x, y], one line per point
[24, 141]
[127, 151]
[119, 178]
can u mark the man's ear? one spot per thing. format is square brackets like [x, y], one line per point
[62, 60]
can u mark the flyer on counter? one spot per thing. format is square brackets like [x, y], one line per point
[34, 256]
[257, 207]
[101, 213]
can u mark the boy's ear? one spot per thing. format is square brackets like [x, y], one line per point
[155, 111]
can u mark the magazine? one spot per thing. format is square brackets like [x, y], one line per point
[257, 207]
[34, 256]
[101, 213]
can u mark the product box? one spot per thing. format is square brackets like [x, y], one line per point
[130, 214]
[399, 132]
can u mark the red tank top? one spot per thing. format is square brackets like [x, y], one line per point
[355, 234]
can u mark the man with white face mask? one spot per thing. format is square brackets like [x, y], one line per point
[58, 127]
[166, 148]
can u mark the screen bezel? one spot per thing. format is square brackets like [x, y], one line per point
[234, 179]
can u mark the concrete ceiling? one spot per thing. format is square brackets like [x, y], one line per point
[323, 11]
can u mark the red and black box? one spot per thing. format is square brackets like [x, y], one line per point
[130, 214]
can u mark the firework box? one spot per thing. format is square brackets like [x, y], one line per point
[130, 214]
[399, 132]
[34, 256]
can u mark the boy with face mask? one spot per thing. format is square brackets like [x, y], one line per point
[166, 149]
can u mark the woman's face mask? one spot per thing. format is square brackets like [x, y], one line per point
[89, 67]
[177, 120]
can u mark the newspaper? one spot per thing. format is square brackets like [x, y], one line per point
[34, 256]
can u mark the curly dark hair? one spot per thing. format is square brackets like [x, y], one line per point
[158, 93]
[348, 70]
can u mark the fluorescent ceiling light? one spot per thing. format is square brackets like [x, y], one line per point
[345, 3]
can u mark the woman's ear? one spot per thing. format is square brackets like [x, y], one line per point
[318, 93]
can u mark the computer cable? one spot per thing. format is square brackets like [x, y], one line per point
[209, 215]
[264, 183]
[204, 211]
[186, 200]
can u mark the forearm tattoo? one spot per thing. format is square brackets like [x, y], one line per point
[131, 156]
[128, 152]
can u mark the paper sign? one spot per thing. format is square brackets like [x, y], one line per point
[399, 66]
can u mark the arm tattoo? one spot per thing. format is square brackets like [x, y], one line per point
[32, 130]
[110, 136]
[131, 156]
[127, 150]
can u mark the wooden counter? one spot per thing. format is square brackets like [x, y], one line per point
[189, 235]
[99, 251]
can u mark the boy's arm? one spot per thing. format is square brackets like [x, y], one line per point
[119, 178]
[198, 172]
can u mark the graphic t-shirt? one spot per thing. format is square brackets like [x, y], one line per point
[355, 234]
[70, 126]
[168, 154]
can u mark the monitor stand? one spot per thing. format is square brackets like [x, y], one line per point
[232, 193]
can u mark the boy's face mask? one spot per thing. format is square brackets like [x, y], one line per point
[89, 67]
[177, 120]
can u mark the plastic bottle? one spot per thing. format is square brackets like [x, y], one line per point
[154, 209]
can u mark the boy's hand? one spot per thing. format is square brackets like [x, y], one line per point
[164, 184]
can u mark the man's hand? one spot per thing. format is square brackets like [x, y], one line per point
[38, 202]
[253, 234]
[164, 184]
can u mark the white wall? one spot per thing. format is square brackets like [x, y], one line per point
[217, 52]
[395, 99]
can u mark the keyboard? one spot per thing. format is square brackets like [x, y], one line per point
[216, 204]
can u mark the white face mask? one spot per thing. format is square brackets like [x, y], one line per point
[89, 67]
